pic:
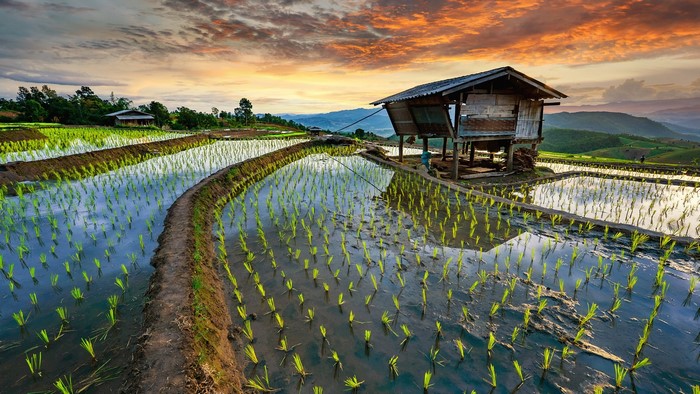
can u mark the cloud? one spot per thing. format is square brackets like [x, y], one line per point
[53, 77]
[638, 90]
[382, 33]
[629, 90]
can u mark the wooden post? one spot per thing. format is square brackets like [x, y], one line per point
[455, 139]
[471, 153]
[444, 148]
[509, 163]
[455, 160]
[425, 144]
[401, 148]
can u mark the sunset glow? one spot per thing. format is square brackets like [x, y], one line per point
[301, 56]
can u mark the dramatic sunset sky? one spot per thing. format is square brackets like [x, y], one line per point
[302, 56]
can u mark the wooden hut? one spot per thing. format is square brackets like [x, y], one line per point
[131, 117]
[497, 109]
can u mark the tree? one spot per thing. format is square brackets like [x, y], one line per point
[32, 111]
[187, 118]
[360, 133]
[160, 113]
[244, 112]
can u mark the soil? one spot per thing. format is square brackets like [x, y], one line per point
[20, 135]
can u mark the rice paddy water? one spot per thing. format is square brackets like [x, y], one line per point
[345, 275]
[75, 262]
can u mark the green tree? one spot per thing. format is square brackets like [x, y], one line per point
[160, 113]
[187, 118]
[244, 112]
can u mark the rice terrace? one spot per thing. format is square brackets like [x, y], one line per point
[257, 257]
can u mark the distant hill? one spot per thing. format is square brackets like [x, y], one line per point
[600, 121]
[682, 129]
[619, 146]
[333, 121]
[577, 141]
[683, 112]
[614, 123]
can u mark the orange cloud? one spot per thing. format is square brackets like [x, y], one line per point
[529, 32]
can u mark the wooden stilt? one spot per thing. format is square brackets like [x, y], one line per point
[444, 149]
[509, 163]
[471, 153]
[455, 160]
[425, 144]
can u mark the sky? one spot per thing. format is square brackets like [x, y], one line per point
[310, 56]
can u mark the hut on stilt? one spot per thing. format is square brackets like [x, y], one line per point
[494, 109]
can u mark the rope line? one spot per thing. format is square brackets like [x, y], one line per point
[358, 121]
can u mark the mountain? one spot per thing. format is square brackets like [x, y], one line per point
[600, 121]
[614, 123]
[682, 112]
[378, 123]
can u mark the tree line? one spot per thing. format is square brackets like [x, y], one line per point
[43, 104]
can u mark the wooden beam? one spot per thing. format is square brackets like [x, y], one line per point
[401, 149]
[455, 160]
[444, 148]
[509, 162]
[455, 140]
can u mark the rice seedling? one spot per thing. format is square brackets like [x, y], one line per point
[20, 318]
[250, 354]
[34, 364]
[87, 344]
[427, 377]
[261, 384]
[62, 314]
[620, 373]
[592, 308]
[310, 314]
[64, 385]
[353, 384]
[492, 376]
[393, 366]
[547, 359]
[490, 344]
[639, 364]
[299, 367]
[44, 337]
[77, 294]
[323, 330]
[519, 371]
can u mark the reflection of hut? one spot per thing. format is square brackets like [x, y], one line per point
[498, 109]
[131, 117]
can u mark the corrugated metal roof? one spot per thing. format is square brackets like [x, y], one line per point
[126, 111]
[135, 117]
[447, 85]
